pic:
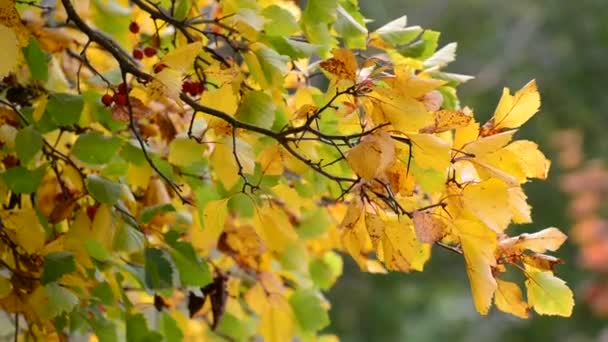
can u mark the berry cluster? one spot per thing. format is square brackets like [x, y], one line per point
[193, 88]
[139, 53]
[119, 97]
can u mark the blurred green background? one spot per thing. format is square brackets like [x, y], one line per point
[564, 45]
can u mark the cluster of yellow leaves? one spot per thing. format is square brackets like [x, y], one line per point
[469, 177]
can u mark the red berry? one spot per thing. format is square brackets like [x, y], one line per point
[200, 87]
[138, 54]
[120, 99]
[122, 88]
[149, 51]
[107, 100]
[186, 86]
[159, 67]
[134, 27]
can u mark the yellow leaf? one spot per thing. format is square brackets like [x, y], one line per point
[401, 250]
[541, 261]
[513, 110]
[138, 176]
[375, 226]
[166, 83]
[343, 64]
[489, 201]
[405, 114]
[28, 231]
[547, 294]
[277, 321]
[214, 218]
[273, 225]
[430, 152]
[445, 120]
[509, 299]
[185, 152]
[80, 230]
[354, 236]
[520, 209]
[224, 162]
[222, 99]
[182, 58]
[305, 111]
[429, 227]
[372, 156]
[271, 160]
[478, 244]
[488, 144]
[502, 164]
[533, 162]
[40, 108]
[548, 239]
[103, 227]
[9, 45]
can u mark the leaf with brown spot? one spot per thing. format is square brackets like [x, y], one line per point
[429, 227]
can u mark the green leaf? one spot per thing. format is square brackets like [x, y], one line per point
[159, 273]
[103, 190]
[23, 181]
[138, 331]
[309, 310]
[396, 33]
[112, 18]
[56, 265]
[96, 250]
[280, 21]
[192, 271]
[548, 295]
[148, 213]
[65, 109]
[133, 154]
[185, 152]
[323, 11]
[170, 329]
[104, 329]
[28, 143]
[103, 293]
[314, 224]
[96, 149]
[235, 328]
[274, 65]
[257, 108]
[37, 61]
[350, 24]
[60, 300]
[324, 271]
[128, 239]
[291, 47]
[315, 22]
[182, 8]
[424, 48]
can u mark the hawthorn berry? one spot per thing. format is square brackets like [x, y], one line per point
[149, 51]
[122, 88]
[120, 99]
[107, 100]
[138, 54]
[186, 86]
[134, 27]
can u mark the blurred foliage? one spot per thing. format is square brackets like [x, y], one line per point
[561, 44]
